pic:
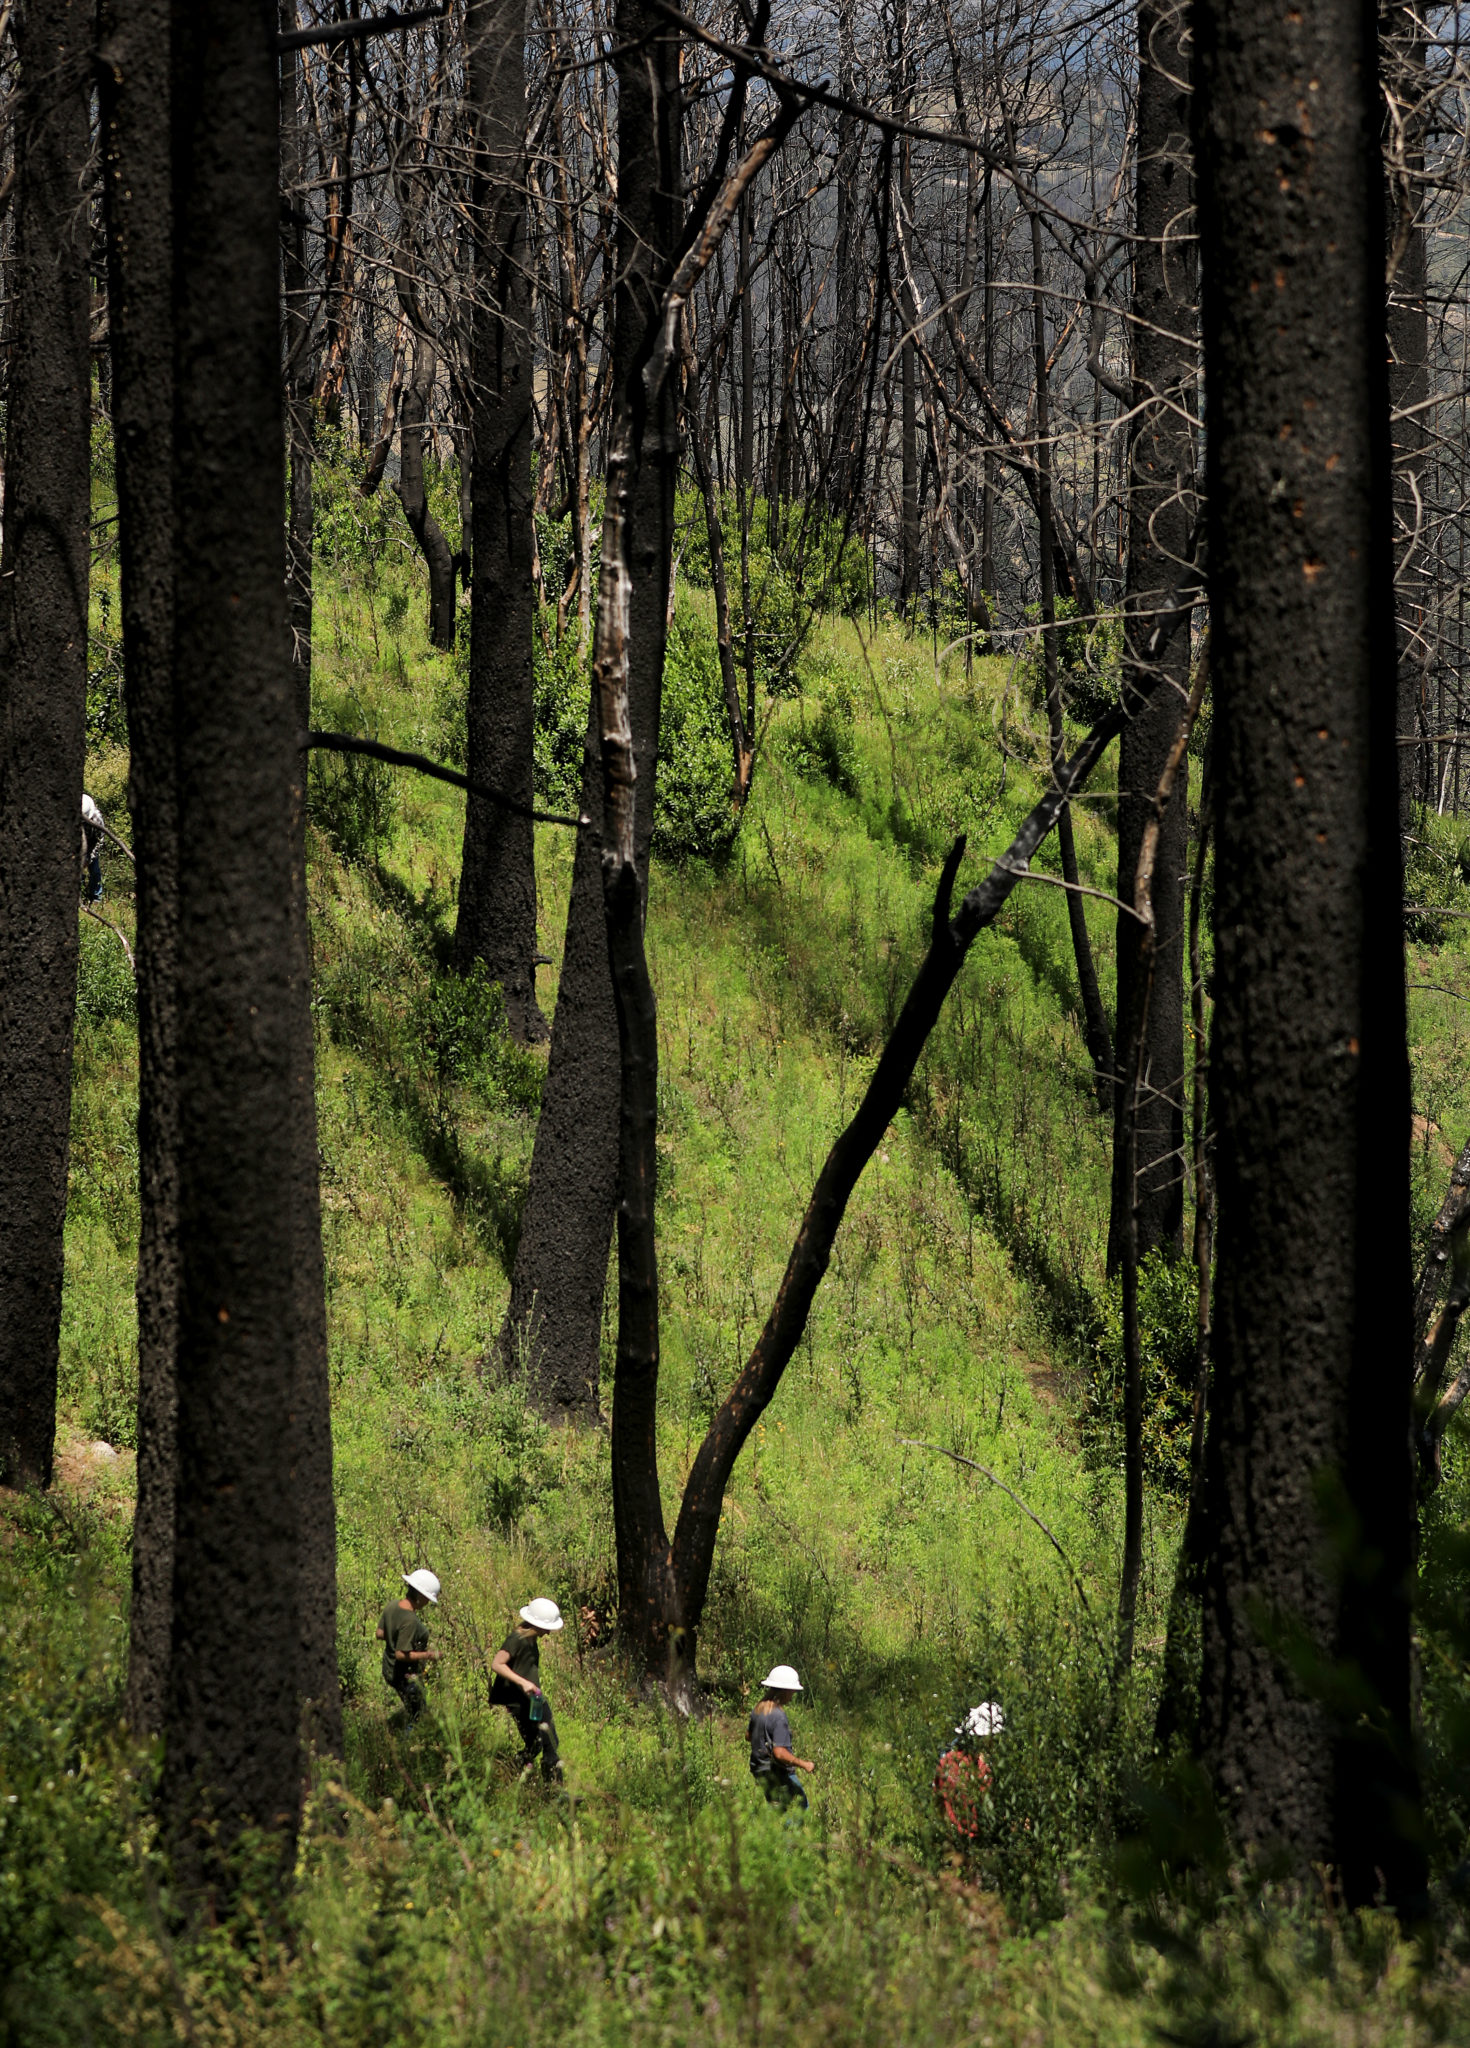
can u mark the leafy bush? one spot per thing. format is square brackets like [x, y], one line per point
[461, 1036]
[351, 798]
[822, 747]
[107, 711]
[563, 702]
[1436, 879]
[1168, 1305]
[1089, 657]
[1062, 1764]
[349, 529]
[693, 815]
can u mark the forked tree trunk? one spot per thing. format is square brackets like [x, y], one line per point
[232, 1725]
[43, 694]
[134, 102]
[1160, 515]
[553, 1325]
[1309, 1489]
[497, 890]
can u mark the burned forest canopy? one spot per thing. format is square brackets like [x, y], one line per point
[734, 904]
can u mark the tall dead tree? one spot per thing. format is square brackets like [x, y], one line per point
[1161, 462]
[232, 1722]
[133, 74]
[497, 890]
[1309, 1496]
[44, 567]
[553, 1325]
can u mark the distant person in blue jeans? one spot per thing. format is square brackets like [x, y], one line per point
[773, 1761]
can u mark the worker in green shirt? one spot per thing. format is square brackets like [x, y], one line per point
[405, 1641]
[516, 1685]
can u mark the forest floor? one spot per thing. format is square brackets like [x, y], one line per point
[438, 1897]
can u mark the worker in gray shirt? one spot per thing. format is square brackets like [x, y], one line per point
[773, 1761]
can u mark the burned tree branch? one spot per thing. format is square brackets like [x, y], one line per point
[397, 757]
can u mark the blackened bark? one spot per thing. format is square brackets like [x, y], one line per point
[1309, 1069]
[553, 1325]
[1407, 89]
[1160, 515]
[134, 104]
[413, 411]
[497, 891]
[232, 1727]
[43, 693]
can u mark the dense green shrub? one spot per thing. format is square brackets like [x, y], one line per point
[1168, 1307]
[1089, 658]
[822, 743]
[694, 815]
[353, 801]
[107, 711]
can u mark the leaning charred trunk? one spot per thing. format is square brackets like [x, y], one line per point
[43, 694]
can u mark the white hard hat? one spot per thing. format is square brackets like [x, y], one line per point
[543, 1614]
[986, 1719]
[782, 1678]
[425, 1583]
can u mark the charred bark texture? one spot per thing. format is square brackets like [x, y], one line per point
[134, 105]
[553, 1326]
[43, 693]
[232, 1725]
[1161, 463]
[1309, 1069]
[497, 891]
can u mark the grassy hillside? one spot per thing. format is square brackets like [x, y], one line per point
[438, 1897]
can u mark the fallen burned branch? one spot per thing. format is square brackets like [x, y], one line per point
[397, 757]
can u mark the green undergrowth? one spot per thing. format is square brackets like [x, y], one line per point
[439, 1897]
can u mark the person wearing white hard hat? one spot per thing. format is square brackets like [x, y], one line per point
[516, 1685]
[773, 1761]
[963, 1775]
[405, 1641]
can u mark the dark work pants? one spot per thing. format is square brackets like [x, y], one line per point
[781, 1786]
[538, 1738]
[412, 1695]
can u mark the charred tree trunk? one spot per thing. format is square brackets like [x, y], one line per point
[43, 693]
[232, 1725]
[1310, 1412]
[134, 103]
[413, 411]
[553, 1325]
[1160, 515]
[497, 891]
